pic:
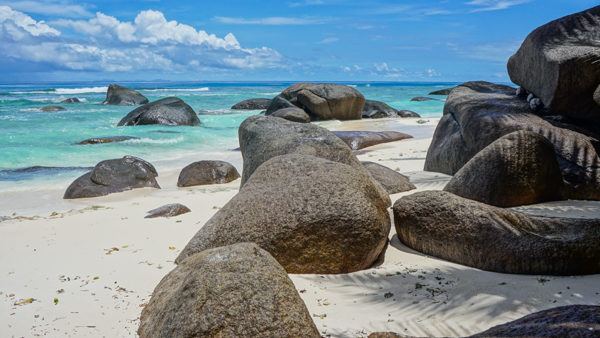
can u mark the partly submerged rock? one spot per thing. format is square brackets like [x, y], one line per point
[170, 111]
[112, 176]
[517, 169]
[312, 214]
[118, 95]
[292, 114]
[558, 63]
[362, 139]
[566, 321]
[392, 181]
[108, 139]
[471, 233]
[207, 172]
[442, 92]
[52, 108]
[252, 104]
[169, 210]
[422, 99]
[231, 291]
[71, 100]
[325, 101]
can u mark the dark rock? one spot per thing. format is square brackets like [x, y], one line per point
[169, 210]
[517, 169]
[207, 172]
[392, 181]
[292, 114]
[565, 321]
[442, 92]
[597, 95]
[313, 215]
[471, 233]
[422, 99]
[252, 104]
[407, 113]
[521, 93]
[52, 108]
[326, 101]
[278, 103]
[170, 111]
[109, 139]
[118, 95]
[112, 176]
[232, 291]
[377, 109]
[478, 113]
[557, 63]
[536, 104]
[363, 139]
[71, 100]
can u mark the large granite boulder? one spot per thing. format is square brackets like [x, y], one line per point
[377, 109]
[312, 214]
[169, 210]
[580, 321]
[478, 113]
[323, 101]
[392, 181]
[252, 104]
[170, 111]
[558, 63]
[278, 103]
[207, 172]
[517, 169]
[471, 233]
[231, 291]
[112, 176]
[294, 114]
[118, 95]
[264, 137]
[360, 139]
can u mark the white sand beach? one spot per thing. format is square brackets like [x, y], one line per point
[87, 267]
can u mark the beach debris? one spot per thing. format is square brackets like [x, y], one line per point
[111, 250]
[24, 301]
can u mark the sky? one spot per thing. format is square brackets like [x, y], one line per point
[265, 40]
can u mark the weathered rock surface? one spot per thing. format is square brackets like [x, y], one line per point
[279, 102]
[471, 233]
[442, 92]
[377, 109]
[169, 210]
[112, 176]
[362, 139]
[294, 114]
[422, 99]
[313, 215]
[252, 104]
[407, 113]
[232, 291]
[52, 108]
[108, 139]
[119, 95]
[565, 321]
[517, 169]
[71, 100]
[170, 111]
[478, 113]
[557, 62]
[392, 181]
[323, 101]
[207, 172]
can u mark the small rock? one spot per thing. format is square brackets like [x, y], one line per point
[169, 210]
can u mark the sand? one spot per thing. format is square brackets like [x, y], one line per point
[87, 267]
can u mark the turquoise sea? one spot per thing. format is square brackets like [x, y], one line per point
[31, 138]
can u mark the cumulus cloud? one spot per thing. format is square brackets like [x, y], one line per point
[104, 43]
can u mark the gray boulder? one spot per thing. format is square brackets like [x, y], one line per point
[442, 92]
[557, 62]
[377, 109]
[52, 108]
[392, 181]
[169, 210]
[278, 103]
[108, 139]
[357, 140]
[580, 321]
[252, 104]
[71, 100]
[407, 113]
[170, 111]
[517, 169]
[478, 113]
[312, 214]
[231, 291]
[294, 114]
[121, 96]
[207, 172]
[471, 233]
[422, 99]
[112, 176]
[326, 101]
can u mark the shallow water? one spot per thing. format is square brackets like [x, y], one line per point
[30, 137]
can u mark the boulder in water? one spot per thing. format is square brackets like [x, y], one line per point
[71, 100]
[442, 92]
[121, 96]
[52, 108]
[422, 99]
[108, 139]
[170, 111]
[294, 114]
[252, 104]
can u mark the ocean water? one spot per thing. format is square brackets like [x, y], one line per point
[32, 138]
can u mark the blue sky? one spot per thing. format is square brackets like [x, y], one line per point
[335, 40]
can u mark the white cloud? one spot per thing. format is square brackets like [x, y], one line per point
[49, 7]
[304, 3]
[16, 26]
[494, 5]
[329, 40]
[271, 21]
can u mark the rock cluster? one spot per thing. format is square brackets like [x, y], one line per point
[377, 109]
